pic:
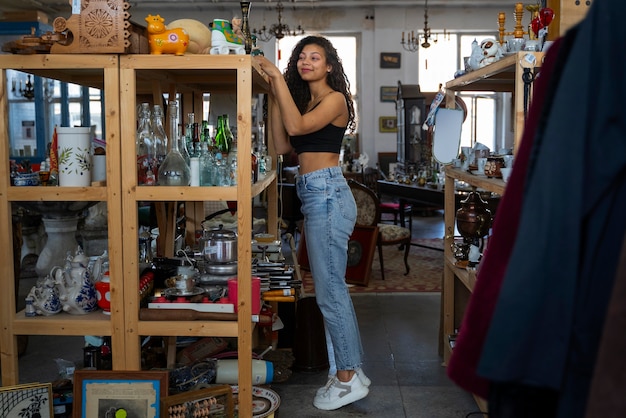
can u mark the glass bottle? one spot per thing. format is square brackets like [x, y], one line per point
[175, 170]
[221, 172]
[182, 144]
[228, 135]
[146, 153]
[206, 165]
[220, 136]
[205, 132]
[158, 132]
[232, 164]
[191, 118]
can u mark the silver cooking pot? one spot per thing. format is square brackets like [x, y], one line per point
[219, 246]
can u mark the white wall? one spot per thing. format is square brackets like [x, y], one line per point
[380, 34]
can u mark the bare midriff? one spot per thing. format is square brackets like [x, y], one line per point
[313, 161]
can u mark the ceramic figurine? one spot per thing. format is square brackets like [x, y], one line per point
[45, 297]
[76, 289]
[165, 41]
[491, 52]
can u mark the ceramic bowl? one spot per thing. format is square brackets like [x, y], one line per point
[26, 179]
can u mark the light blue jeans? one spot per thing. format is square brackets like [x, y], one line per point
[329, 216]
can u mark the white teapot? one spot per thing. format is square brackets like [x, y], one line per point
[76, 289]
[45, 296]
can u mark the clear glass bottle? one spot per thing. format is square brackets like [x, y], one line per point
[182, 144]
[158, 132]
[221, 172]
[146, 152]
[175, 170]
[232, 164]
[206, 166]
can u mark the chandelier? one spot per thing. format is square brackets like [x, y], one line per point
[414, 42]
[277, 30]
[27, 90]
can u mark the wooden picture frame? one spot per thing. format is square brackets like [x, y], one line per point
[388, 93]
[361, 247]
[388, 124]
[26, 400]
[102, 392]
[390, 60]
[215, 401]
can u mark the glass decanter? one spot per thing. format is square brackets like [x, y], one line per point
[174, 170]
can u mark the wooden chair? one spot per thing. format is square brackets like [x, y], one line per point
[368, 214]
[400, 214]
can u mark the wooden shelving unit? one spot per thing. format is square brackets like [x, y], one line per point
[122, 78]
[102, 72]
[504, 75]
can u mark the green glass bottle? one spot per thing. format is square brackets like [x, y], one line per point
[220, 137]
[228, 135]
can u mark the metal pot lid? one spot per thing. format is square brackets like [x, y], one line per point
[221, 234]
[221, 269]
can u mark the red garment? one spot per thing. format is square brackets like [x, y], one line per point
[469, 344]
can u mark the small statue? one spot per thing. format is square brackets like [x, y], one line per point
[165, 41]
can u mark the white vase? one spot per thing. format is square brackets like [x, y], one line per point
[74, 154]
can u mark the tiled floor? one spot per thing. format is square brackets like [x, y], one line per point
[399, 333]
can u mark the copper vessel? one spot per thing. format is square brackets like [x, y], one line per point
[473, 218]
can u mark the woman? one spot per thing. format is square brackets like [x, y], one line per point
[311, 108]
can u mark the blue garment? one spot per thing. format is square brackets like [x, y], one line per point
[550, 312]
[329, 213]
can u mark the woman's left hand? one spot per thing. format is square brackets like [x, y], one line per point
[270, 69]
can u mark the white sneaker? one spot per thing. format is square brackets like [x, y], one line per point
[338, 393]
[364, 379]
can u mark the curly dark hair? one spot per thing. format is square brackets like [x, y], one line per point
[336, 79]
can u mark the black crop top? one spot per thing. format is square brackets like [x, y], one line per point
[327, 139]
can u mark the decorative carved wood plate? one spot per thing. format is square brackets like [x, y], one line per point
[100, 27]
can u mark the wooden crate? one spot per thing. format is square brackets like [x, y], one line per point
[567, 14]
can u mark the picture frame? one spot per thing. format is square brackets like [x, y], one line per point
[388, 93]
[102, 393]
[361, 248]
[390, 60]
[215, 401]
[388, 124]
[26, 400]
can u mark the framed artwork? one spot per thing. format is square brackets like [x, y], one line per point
[105, 393]
[215, 401]
[361, 247]
[388, 124]
[26, 401]
[388, 93]
[390, 59]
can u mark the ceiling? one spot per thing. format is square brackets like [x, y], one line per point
[62, 7]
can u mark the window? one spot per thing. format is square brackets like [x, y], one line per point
[438, 64]
[32, 122]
